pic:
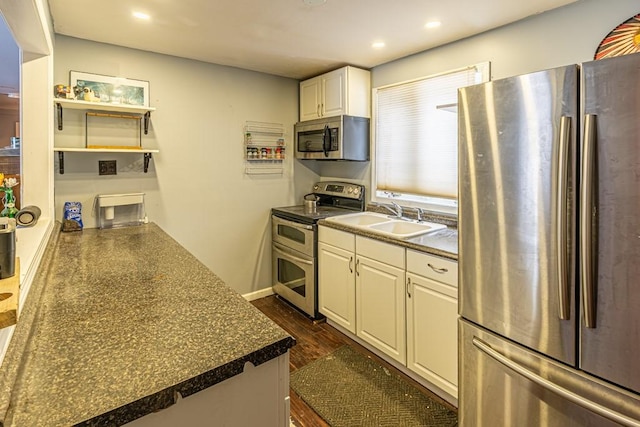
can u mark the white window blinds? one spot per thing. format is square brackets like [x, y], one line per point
[416, 131]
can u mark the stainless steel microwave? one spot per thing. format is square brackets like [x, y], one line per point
[333, 138]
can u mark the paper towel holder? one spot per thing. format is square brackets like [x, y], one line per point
[120, 210]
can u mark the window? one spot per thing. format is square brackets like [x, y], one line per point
[416, 139]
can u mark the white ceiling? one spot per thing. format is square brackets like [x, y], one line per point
[289, 38]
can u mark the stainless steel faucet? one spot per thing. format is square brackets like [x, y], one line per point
[396, 209]
[419, 213]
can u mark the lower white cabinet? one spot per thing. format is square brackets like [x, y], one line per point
[336, 277]
[402, 302]
[432, 319]
[380, 304]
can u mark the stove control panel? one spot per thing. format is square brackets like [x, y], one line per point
[340, 189]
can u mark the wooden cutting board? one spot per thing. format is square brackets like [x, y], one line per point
[9, 296]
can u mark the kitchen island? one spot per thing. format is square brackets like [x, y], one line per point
[124, 322]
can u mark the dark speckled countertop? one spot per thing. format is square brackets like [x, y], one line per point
[443, 242]
[117, 323]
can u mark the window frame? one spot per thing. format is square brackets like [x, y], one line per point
[440, 205]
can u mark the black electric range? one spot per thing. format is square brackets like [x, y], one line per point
[334, 198]
[295, 241]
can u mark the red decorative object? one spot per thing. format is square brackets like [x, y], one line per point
[623, 40]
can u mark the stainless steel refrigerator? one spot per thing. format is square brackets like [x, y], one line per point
[549, 247]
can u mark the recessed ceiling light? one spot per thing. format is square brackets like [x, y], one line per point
[432, 24]
[314, 2]
[377, 45]
[141, 15]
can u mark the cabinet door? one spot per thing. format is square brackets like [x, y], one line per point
[334, 93]
[336, 285]
[310, 91]
[432, 332]
[380, 310]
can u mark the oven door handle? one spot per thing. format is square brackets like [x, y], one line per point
[281, 250]
[292, 223]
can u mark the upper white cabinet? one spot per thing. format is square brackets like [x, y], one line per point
[346, 90]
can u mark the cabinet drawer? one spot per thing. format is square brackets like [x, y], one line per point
[337, 238]
[380, 251]
[436, 268]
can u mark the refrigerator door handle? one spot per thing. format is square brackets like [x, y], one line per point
[554, 388]
[587, 216]
[561, 187]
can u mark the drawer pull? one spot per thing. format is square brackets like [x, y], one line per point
[438, 270]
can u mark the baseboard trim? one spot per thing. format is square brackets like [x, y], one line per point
[258, 294]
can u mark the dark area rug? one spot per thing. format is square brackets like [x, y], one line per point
[348, 389]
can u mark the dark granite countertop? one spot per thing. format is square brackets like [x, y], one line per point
[443, 242]
[117, 323]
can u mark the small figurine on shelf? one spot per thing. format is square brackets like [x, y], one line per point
[62, 91]
[9, 200]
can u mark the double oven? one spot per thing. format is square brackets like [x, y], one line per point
[294, 232]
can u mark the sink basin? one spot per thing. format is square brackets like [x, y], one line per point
[405, 229]
[360, 219]
[378, 223]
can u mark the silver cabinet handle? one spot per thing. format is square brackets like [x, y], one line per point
[351, 264]
[318, 110]
[561, 186]
[554, 388]
[588, 219]
[409, 286]
[437, 270]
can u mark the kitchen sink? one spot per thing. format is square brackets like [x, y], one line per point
[382, 224]
[360, 219]
[405, 229]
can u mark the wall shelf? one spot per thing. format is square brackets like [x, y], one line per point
[451, 108]
[147, 153]
[73, 104]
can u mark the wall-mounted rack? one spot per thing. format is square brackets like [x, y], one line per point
[264, 148]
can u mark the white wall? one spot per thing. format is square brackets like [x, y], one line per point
[196, 188]
[30, 25]
[563, 36]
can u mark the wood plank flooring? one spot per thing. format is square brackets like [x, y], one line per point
[313, 341]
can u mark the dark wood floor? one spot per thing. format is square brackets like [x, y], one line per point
[313, 341]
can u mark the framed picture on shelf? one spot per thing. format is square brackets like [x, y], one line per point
[108, 89]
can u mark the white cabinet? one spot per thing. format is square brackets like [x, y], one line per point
[343, 91]
[432, 318]
[402, 302]
[380, 305]
[336, 277]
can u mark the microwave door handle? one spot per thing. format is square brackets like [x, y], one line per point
[326, 140]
